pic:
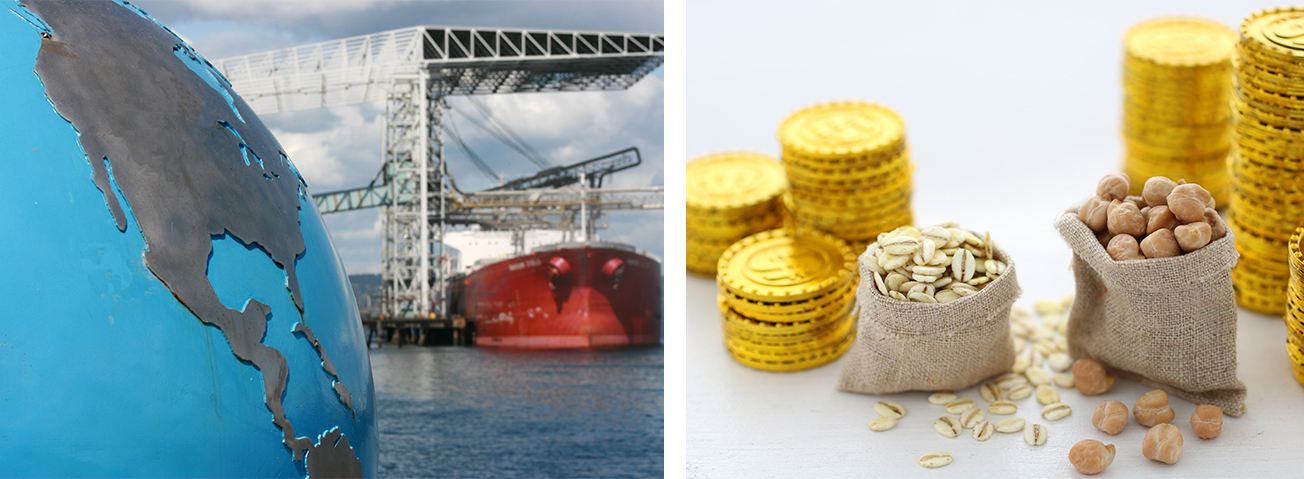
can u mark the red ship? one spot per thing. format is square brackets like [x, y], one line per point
[569, 295]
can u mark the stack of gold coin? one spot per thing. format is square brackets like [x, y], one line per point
[1295, 306]
[786, 299]
[1176, 86]
[729, 196]
[848, 169]
[1267, 160]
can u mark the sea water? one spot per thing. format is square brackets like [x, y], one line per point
[489, 413]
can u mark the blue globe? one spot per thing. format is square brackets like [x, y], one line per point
[172, 303]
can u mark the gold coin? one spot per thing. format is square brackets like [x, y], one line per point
[800, 350]
[793, 325]
[866, 205]
[837, 330]
[1266, 105]
[1296, 355]
[841, 129]
[857, 222]
[732, 230]
[1181, 42]
[1296, 249]
[1267, 141]
[1242, 111]
[1262, 163]
[799, 172]
[700, 269]
[1275, 31]
[1296, 341]
[865, 160]
[833, 305]
[777, 265]
[821, 329]
[860, 235]
[1254, 74]
[761, 351]
[795, 363]
[732, 180]
[1259, 224]
[732, 321]
[839, 294]
[842, 293]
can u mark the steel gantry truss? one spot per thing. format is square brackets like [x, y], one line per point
[413, 71]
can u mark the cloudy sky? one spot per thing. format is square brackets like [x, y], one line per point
[339, 148]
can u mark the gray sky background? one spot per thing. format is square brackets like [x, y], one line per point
[338, 148]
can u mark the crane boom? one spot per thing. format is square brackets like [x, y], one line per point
[380, 194]
[465, 60]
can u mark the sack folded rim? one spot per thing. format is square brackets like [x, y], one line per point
[1069, 226]
[943, 315]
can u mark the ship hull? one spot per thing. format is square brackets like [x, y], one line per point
[576, 296]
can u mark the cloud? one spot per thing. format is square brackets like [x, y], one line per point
[282, 8]
[310, 21]
[334, 148]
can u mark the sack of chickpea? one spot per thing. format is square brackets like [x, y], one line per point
[1154, 288]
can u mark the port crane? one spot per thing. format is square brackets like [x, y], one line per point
[413, 71]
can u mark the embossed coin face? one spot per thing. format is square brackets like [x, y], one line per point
[1287, 32]
[1181, 41]
[776, 266]
[733, 180]
[781, 265]
[841, 129]
[1280, 30]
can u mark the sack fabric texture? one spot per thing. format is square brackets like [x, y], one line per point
[910, 346]
[1169, 323]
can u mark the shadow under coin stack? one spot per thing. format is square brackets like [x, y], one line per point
[848, 170]
[1267, 201]
[1177, 84]
[1295, 307]
[786, 299]
[729, 196]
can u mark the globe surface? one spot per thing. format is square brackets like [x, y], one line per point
[173, 305]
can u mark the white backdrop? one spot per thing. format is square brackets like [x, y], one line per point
[1012, 112]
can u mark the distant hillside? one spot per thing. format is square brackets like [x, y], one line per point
[366, 288]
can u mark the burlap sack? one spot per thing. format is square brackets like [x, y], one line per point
[1169, 323]
[904, 346]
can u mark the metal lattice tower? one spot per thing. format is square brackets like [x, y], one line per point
[413, 70]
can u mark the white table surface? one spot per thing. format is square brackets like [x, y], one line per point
[748, 423]
[1012, 113]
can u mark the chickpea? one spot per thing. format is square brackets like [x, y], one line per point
[1094, 213]
[1090, 378]
[1104, 237]
[1152, 408]
[1091, 456]
[1110, 417]
[1163, 443]
[1113, 186]
[1207, 421]
[1123, 247]
[1157, 189]
[1160, 244]
[1125, 218]
[1193, 236]
[1187, 202]
[1136, 200]
[1160, 217]
[1218, 228]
